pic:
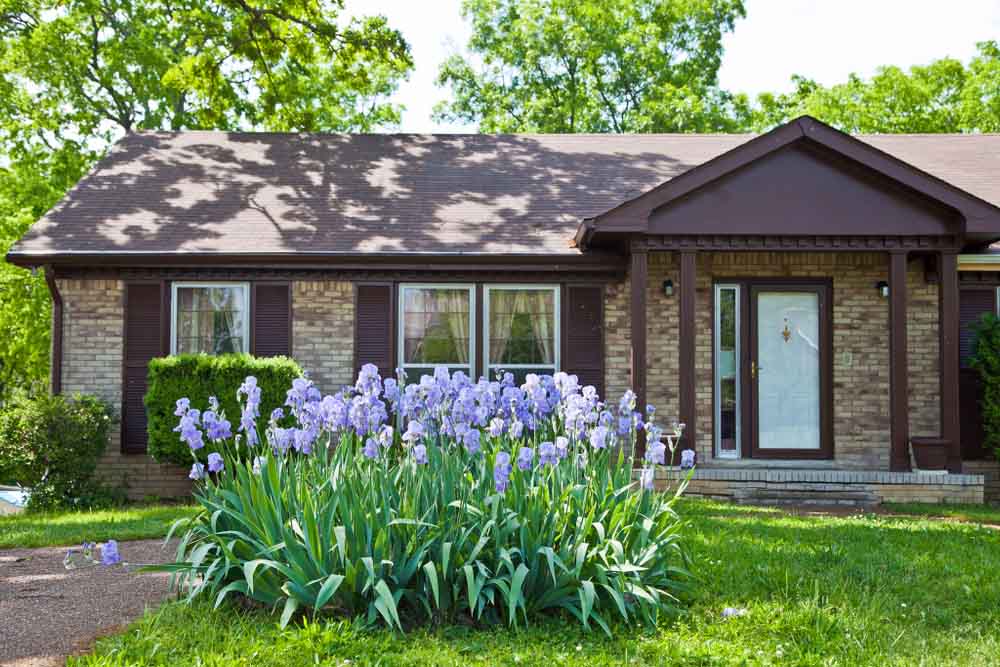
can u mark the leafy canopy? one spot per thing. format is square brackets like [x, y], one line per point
[77, 74]
[593, 66]
[944, 96]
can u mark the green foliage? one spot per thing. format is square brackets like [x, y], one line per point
[77, 74]
[593, 66]
[198, 376]
[833, 591]
[944, 96]
[54, 529]
[51, 444]
[986, 360]
[396, 542]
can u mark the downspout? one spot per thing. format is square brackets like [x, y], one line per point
[55, 381]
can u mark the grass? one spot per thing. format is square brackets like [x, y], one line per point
[67, 528]
[975, 513]
[819, 591]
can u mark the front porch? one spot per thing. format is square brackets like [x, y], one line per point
[828, 487]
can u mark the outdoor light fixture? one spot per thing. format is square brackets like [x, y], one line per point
[883, 289]
[668, 287]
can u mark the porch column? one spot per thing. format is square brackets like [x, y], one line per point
[638, 279]
[899, 395]
[949, 357]
[686, 333]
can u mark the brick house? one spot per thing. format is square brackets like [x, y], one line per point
[800, 299]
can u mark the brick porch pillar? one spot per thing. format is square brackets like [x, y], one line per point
[899, 395]
[686, 334]
[638, 279]
[949, 359]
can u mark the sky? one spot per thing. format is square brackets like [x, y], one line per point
[822, 39]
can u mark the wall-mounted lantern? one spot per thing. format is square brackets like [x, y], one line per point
[668, 287]
[883, 289]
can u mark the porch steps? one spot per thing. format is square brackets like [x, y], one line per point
[819, 497]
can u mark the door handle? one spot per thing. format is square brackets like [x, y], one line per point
[753, 369]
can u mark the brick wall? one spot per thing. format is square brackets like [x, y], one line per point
[860, 340]
[92, 364]
[323, 331]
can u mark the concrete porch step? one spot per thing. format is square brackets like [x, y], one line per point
[818, 497]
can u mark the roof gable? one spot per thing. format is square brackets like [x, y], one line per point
[766, 167]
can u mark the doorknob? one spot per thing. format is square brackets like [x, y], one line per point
[753, 369]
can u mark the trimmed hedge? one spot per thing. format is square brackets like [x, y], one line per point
[51, 444]
[198, 376]
[986, 361]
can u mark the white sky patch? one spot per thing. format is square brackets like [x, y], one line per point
[820, 39]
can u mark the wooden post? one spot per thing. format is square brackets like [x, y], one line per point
[949, 359]
[899, 398]
[638, 279]
[686, 333]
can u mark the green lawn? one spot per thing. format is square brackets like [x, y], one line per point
[66, 528]
[869, 590]
[977, 513]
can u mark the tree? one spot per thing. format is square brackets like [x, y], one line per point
[77, 74]
[593, 66]
[944, 96]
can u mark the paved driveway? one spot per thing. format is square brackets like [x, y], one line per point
[48, 612]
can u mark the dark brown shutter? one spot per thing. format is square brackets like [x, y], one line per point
[143, 341]
[271, 313]
[374, 328]
[583, 334]
[973, 304]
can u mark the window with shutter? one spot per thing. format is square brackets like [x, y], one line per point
[271, 312]
[143, 341]
[583, 334]
[374, 327]
[973, 304]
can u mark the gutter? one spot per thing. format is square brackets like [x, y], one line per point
[55, 380]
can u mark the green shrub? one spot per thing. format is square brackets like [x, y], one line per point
[198, 376]
[986, 360]
[51, 445]
[497, 504]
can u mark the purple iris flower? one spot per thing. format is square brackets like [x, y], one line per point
[420, 454]
[371, 448]
[516, 429]
[547, 455]
[646, 479]
[215, 463]
[501, 471]
[496, 427]
[109, 553]
[414, 431]
[471, 441]
[687, 459]
[183, 405]
[277, 414]
[525, 458]
[656, 452]
[197, 471]
[562, 446]
[599, 437]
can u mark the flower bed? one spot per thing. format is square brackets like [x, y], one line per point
[435, 501]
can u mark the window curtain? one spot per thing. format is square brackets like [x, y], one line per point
[503, 308]
[542, 320]
[456, 304]
[224, 304]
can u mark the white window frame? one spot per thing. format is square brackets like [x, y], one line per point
[557, 333]
[716, 376]
[182, 285]
[401, 325]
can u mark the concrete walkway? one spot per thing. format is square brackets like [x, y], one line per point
[48, 612]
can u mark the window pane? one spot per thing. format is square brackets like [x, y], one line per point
[726, 369]
[436, 325]
[519, 373]
[522, 326]
[211, 319]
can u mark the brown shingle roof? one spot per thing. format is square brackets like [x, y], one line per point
[237, 193]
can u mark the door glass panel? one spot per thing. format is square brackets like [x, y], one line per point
[727, 354]
[788, 363]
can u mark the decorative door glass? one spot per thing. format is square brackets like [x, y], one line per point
[727, 371]
[788, 370]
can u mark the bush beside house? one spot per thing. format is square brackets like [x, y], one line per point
[199, 376]
[986, 360]
[51, 444]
